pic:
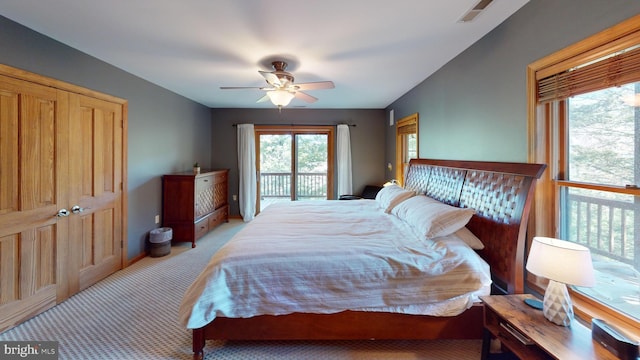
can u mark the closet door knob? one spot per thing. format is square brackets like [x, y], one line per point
[62, 213]
[77, 209]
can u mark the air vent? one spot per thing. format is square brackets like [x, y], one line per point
[475, 11]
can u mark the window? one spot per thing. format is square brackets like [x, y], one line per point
[584, 123]
[406, 144]
[294, 163]
[601, 150]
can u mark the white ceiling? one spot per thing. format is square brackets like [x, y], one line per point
[373, 50]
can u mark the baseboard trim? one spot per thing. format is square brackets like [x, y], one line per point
[136, 259]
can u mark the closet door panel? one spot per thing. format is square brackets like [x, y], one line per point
[32, 174]
[96, 188]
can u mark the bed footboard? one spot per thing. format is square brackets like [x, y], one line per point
[346, 325]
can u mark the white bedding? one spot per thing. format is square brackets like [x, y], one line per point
[330, 256]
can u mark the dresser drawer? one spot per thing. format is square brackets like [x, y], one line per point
[204, 182]
[200, 228]
[204, 197]
[218, 217]
[221, 177]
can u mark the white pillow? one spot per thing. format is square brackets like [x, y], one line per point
[390, 196]
[430, 217]
[468, 237]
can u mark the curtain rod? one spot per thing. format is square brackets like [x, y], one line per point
[351, 125]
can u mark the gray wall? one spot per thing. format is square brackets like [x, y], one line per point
[166, 132]
[475, 107]
[367, 139]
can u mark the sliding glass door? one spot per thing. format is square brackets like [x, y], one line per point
[294, 163]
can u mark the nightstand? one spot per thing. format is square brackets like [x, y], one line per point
[529, 335]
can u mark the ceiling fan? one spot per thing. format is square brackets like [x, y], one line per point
[282, 89]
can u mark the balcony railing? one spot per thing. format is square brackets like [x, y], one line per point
[607, 227]
[308, 185]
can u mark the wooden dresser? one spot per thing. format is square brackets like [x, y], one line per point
[192, 205]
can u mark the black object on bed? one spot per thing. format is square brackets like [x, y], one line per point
[369, 192]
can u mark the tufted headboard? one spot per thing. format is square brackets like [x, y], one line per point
[500, 192]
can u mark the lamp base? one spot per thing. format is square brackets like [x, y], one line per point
[557, 306]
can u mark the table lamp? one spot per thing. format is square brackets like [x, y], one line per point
[562, 262]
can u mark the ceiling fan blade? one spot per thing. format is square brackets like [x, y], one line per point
[315, 85]
[263, 99]
[245, 87]
[271, 78]
[238, 87]
[306, 97]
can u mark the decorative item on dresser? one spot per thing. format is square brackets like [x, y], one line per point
[193, 204]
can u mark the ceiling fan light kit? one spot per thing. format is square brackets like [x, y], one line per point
[280, 97]
[282, 88]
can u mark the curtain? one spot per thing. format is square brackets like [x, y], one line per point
[343, 145]
[247, 171]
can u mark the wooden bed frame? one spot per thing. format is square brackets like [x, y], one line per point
[501, 193]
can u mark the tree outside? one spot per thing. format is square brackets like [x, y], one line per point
[311, 165]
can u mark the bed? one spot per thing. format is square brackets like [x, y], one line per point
[335, 248]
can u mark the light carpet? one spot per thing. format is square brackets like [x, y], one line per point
[133, 314]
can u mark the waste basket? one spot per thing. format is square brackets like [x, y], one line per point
[160, 241]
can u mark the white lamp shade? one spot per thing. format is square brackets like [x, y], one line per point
[562, 261]
[280, 97]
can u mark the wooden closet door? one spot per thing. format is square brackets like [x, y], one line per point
[33, 174]
[95, 189]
